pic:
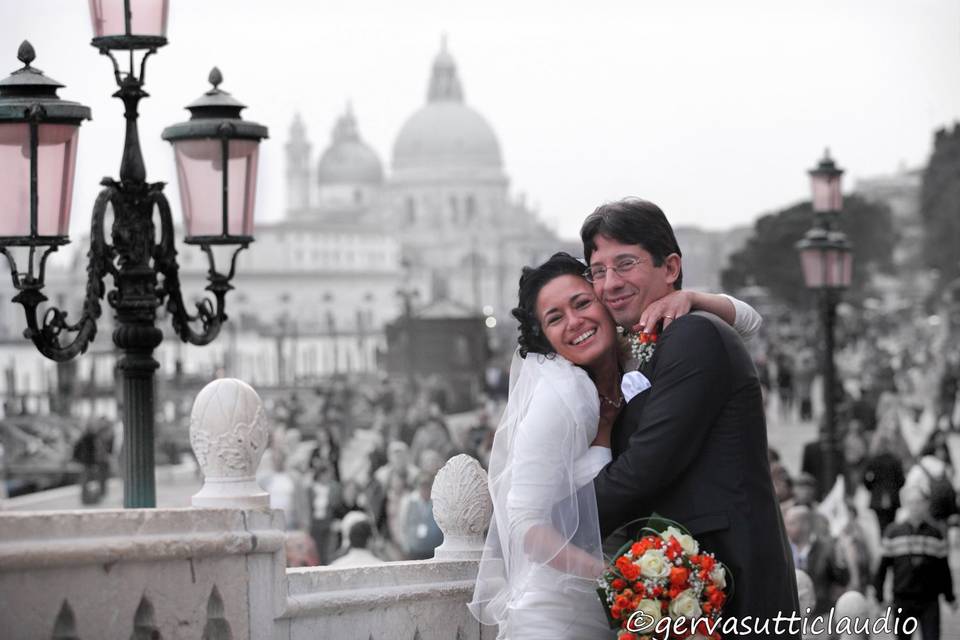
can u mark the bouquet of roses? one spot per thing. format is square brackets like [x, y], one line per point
[660, 586]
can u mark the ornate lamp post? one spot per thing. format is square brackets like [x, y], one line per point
[827, 260]
[216, 157]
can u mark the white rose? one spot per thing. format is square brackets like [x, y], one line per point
[653, 564]
[719, 577]
[685, 605]
[645, 618]
[690, 546]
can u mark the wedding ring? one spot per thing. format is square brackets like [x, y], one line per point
[670, 317]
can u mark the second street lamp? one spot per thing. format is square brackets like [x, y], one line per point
[827, 261]
[216, 161]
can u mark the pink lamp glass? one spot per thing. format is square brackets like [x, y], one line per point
[147, 17]
[56, 165]
[200, 177]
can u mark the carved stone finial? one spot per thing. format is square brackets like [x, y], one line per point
[462, 508]
[215, 77]
[228, 433]
[25, 53]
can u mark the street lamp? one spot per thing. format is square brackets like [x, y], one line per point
[827, 260]
[216, 153]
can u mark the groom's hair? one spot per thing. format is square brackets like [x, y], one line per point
[632, 221]
[532, 280]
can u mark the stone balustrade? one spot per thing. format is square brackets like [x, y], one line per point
[106, 574]
[218, 570]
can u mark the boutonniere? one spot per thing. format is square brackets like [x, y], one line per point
[642, 346]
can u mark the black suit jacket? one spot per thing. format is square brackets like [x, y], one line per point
[693, 448]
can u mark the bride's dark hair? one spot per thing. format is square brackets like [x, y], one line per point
[532, 280]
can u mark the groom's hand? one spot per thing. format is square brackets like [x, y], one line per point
[668, 308]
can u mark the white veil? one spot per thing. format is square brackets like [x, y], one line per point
[544, 534]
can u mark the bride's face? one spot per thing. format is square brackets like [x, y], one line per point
[575, 323]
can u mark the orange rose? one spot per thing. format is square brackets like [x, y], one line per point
[631, 572]
[717, 598]
[618, 584]
[679, 576]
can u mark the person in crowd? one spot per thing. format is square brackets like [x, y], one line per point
[433, 434]
[282, 489]
[857, 550]
[782, 485]
[855, 607]
[883, 477]
[933, 476]
[855, 452]
[763, 371]
[808, 600]
[326, 502]
[916, 552]
[785, 389]
[91, 452]
[420, 531]
[949, 385]
[804, 489]
[300, 550]
[817, 556]
[397, 489]
[814, 454]
[805, 372]
[431, 461]
[358, 553]
[398, 460]
[327, 451]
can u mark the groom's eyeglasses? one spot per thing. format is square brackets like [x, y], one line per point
[623, 266]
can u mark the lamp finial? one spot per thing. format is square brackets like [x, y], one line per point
[215, 77]
[25, 53]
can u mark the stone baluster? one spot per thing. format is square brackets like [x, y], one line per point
[228, 433]
[462, 508]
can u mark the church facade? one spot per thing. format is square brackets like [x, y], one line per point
[445, 199]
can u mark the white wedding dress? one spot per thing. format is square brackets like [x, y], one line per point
[544, 539]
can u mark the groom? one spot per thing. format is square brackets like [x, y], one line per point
[692, 448]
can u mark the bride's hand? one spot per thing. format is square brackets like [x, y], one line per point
[668, 308]
[608, 415]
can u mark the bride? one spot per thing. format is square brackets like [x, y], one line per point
[537, 576]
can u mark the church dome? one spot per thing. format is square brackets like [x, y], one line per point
[446, 132]
[348, 159]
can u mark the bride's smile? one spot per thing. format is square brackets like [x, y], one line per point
[574, 321]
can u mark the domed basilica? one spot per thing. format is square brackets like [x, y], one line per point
[439, 230]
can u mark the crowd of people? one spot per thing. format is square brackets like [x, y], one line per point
[881, 525]
[353, 464]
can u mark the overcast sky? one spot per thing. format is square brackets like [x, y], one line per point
[712, 109]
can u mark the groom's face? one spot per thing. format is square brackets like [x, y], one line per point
[627, 294]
